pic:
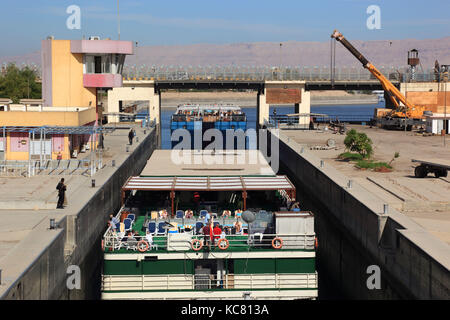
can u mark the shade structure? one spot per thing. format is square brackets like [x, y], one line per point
[209, 183]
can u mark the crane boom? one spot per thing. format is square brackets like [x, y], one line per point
[410, 110]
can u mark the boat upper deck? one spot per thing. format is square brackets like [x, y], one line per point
[158, 232]
[208, 113]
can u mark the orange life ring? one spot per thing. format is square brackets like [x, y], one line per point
[280, 243]
[316, 243]
[144, 247]
[193, 244]
[227, 244]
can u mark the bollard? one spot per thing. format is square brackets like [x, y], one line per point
[145, 131]
[128, 149]
[52, 224]
[302, 149]
[137, 139]
[350, 184]
[113, 163]
[321, 163]
[385, 208]
[93, 183]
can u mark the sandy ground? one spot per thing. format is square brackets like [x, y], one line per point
[426, 200]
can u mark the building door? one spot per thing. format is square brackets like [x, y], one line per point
[36, 145]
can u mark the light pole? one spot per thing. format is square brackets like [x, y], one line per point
[137, 75]
[280, 60]
[445, 110]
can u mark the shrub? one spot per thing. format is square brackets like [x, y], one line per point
[364, 164]
[358, 142]
[350, 156]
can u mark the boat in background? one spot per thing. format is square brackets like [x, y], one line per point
[197, 119]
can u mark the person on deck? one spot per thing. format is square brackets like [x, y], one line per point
[197, 200]
[226, 213]
[208, 234]
[188, 214]
[217, 231]
[114, 221]
[238, 226]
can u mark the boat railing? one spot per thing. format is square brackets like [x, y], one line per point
[207, 281]
[188, 241]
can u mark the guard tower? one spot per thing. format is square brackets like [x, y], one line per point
[413, 62]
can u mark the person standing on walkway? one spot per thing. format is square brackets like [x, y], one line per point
[131, 136]
[61, 187]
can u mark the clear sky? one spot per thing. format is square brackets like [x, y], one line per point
[166, 22]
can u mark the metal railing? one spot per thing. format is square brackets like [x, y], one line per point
[115, 241]
[266, 73]
[199, 282]
[332, 118]
[49, 167]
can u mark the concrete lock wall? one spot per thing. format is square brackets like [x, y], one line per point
[77, 241]
[355, 234]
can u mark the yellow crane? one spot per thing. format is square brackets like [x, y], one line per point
[413, 113]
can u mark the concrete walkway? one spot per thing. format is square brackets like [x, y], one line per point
[426, 200]
[24, 231]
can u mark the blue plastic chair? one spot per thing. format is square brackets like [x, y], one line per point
[198, 226]
[296, 209]
[131, 216]
[161, 230]
[151, 227]
[127, 222]
[203, 213]
[180, 214]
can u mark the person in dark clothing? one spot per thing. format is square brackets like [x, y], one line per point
[131, 136]
[61, 187]
[100, 141]
[208, 235]
[311, 124]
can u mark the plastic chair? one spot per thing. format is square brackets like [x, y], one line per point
[161, 230]
[151, 227]
[198, 227]
[128, 223]
[203, 213]
[179, 214]
[131, 216]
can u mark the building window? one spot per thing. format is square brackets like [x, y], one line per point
[106, 63]
[98, 64]
[89, 64]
